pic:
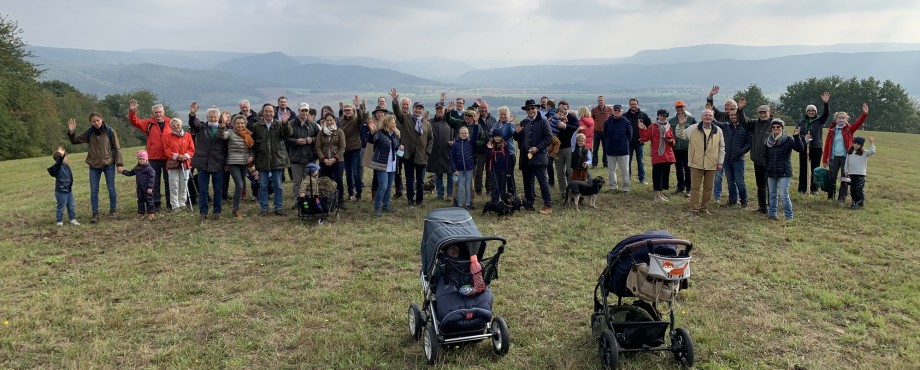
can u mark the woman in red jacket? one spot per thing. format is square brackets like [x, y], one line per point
[179, 148]
[839, 139]
[662, 148]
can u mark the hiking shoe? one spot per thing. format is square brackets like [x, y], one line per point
[279, 212]
[74, 222]
[237, 214]
[113, 214]
[151, 216]
[263, 213]
[397, 195]
[138, 216]
[377, 213]
[95, 218]
[215, 216]
[546, 210]
[60, 223]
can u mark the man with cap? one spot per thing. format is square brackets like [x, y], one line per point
[418, 140]
[707, 153]
[759, 129]
[679, 122]
[617, 141]
[600, 114]
[811, 125]
[439, 159]
[301, 144]
[534, 135]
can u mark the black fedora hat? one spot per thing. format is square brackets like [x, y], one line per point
[530, 103]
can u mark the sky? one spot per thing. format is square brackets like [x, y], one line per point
[463, 30]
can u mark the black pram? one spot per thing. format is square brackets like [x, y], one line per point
[455, 280]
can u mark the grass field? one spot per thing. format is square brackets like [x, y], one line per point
[833, 289]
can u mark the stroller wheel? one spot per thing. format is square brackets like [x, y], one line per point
[501, 338]
[682, 346]
[431, 344]
[608, 349]
[416, 321]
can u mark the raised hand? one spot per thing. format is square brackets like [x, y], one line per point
[193, 108]
[372, 125]
[357, 101]
[443, 96]
[714, 91]
[341, 105]
[797, 130]
[72, 125]
[871, 139]
[741, 102]
[393, 93]
[865, 108]
[451, 106]
[479, 101]
[826, 97]
[132, 105]
[511, 118]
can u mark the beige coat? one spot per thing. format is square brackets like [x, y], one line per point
[704, 152]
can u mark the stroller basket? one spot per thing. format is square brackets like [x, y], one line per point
[457, 272]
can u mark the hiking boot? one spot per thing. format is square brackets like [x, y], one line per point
[397, 195]
[215, 216]
[203, 218]
[279, 212]
[377, 213]
[151, 216]
[237, 214]
[263, 213]
[60, 223]
[113, 214]
[546, 210]
[74, 222]
[138, 216]
[772, 218]
[95, 218]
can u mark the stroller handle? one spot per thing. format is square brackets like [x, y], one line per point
[652, 243]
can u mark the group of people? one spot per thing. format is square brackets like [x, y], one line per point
[465, 149]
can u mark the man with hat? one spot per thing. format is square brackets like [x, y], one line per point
[534, 135]
[418, 141]
[679, 122]
[617, 140]
[439, 159]
[300, 145]
[759, 129]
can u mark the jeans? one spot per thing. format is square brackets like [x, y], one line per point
[353, 172]
[218, 179]
[598, 142]
[563, 162]
[701, 179]
[439, 184]
[813, 155]
[621, 161]
[463, 187]
[159, 169]
[717, 185]
[238, 174]
[415, 181]
[384, 182]
[94, 174]
[539, 173]
[276, 186]
[782, 183]
[334, 172]
[635, 151]
[178, 188]
[734, 172]
[64, 200]
[835, 167]
[857, 184]
[682, 165]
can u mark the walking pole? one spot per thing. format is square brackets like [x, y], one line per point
[185, 178]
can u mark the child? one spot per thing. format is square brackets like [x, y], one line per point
[855, 167]
[581, 159]
[499, 164]
[63, 180]
[461, 165]
[146, 177]
[553, 148]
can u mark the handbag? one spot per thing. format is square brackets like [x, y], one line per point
[172, 164]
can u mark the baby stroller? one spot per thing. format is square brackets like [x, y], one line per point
[320, 200]
[457, 302]
[652, 267]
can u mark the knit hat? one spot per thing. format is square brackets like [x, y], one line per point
[311, 168]
[859, 140]
[142, 154]
[663, 112]
[811, 107]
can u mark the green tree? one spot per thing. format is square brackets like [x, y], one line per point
[22, 118]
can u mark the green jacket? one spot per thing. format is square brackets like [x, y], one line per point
[269, 150]
[680, 144]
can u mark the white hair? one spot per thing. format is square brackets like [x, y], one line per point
[731, 102]
[155, 106]
[215, 110]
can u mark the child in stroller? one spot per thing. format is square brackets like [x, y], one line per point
[652, 267]
[317, 197]
[455, 279]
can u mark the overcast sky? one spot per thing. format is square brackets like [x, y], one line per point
[462, 30]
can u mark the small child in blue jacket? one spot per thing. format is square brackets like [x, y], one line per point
[146, 177]
[63, 182]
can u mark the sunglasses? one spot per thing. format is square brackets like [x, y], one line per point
[776, 126]
[530, 108]
[617, 109]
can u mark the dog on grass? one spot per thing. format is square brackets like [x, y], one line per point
[506, 206]
[513, 201]
[429, 184]
[589, 189]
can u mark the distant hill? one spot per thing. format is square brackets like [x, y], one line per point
[330, 77]
[770, 74]
[260, 66]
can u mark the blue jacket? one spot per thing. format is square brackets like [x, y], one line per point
[737, 141]
[146, 176]
[63, 176]
[507, 132]
[538, 135]
[385, 147]
[461, 156]
[776, 159]
[617, 136]
[499, 159]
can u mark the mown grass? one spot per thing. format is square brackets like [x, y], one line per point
[833, 289]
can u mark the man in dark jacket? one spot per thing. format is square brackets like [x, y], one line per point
[270, 156]
[738, 142]
[300, 145]
[210, 157]
[479, 135]
[811, 127]
[759, 129]
[417, 140]
[635, 115]
[439, 159]
[534, 135]
[351, 121]
[567, 128]
[618, 133]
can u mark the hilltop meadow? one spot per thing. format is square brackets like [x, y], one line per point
[832, 289]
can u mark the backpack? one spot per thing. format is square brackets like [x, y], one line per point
[822, 179]
[110, 134]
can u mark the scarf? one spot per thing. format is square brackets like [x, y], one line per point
[329, 130]
[663, 129]
[247, 138]
[179, 133]
[418, 124]
[773, 141]
[212, 126]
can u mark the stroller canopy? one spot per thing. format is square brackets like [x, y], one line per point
[620, 261]
[448, 225]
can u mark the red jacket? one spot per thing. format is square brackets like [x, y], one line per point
[651, 134]
[179, 145]
[847, 132]
[588, 129]
[154, 136]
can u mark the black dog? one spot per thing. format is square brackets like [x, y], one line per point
[578, 189]
[513, 201]
[500, 208]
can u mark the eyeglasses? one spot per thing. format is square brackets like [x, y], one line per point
[777, 126]
[530, 108]
[617, 109]
[305, 110]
